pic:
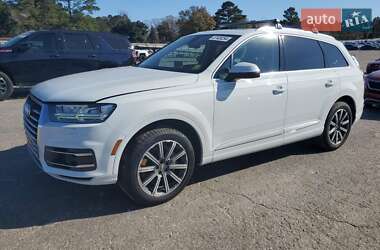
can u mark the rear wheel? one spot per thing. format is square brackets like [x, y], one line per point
[6, 86]
[158, 166]
[337, 126]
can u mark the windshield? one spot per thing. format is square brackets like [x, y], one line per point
[189, 54]
[16, 39]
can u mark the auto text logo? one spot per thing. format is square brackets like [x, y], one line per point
[346, 20]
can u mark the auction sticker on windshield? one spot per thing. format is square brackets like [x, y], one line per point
[220, 38]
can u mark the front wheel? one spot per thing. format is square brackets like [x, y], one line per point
[337, 126]
[6, 86]
[157, 166]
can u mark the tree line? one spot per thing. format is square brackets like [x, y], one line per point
[17, 16]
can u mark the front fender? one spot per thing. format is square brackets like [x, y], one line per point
[133, 114]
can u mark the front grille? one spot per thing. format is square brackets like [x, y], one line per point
[373, 67]
[32, 112]
[71, 159]
[375, 85]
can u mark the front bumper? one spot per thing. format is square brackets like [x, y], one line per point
[78, 139]
[371, 94]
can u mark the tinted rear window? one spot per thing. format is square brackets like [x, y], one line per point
[77, 41]
[333, 56]
[302, 53]
[116, 41]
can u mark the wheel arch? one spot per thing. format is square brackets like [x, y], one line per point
[2, 69]
[180, 125]
[351, 102]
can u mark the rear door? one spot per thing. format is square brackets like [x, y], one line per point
[311, 86]
[79, 53]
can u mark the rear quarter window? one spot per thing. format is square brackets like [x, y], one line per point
[116, 42]
[333, 57]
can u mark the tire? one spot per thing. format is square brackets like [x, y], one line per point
[150, 181]
[6, 86]
[334, 136]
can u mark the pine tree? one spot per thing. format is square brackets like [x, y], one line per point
[229, 13]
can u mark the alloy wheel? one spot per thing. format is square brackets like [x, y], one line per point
[162, 168]
[3, 86]
[339, 127]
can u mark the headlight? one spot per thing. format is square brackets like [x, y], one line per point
[80, 113]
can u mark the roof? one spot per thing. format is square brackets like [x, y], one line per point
[248, 32]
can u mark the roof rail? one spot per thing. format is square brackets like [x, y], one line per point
[251, 24]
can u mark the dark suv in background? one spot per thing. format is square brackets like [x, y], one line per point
[372, 84]
[36, 56]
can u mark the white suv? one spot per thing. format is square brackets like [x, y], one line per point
[203, 98]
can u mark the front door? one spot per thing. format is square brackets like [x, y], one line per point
[37, 63]
[251, 110]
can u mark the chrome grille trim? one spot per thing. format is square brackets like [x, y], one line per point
[71, 167]
[69, 153]
[31, 125]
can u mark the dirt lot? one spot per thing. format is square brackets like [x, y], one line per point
[290, 197]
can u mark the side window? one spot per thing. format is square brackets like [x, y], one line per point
[42, 42]
[262, 51]
[78, 42]
[333, 56]
[302, 53]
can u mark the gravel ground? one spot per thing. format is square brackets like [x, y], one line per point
[291, 197]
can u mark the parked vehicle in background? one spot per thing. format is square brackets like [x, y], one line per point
[206, 97]
[362, 45]
[37, 56]
[141, 54]
[372, 88]
[351, 46]
[373, 66]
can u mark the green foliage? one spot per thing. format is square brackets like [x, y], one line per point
[291, 17]
[79, 6]
[194, 19]
[229, 13]
[168, 29]
[6, 21]
[136, 31]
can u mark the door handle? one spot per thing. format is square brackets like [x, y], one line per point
[329, 84]
[278, 91]
[92, 56]
[55, 56]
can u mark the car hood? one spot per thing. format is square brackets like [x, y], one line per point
[96, 85]
[374, 75]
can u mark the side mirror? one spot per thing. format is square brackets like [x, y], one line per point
[243, 70]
